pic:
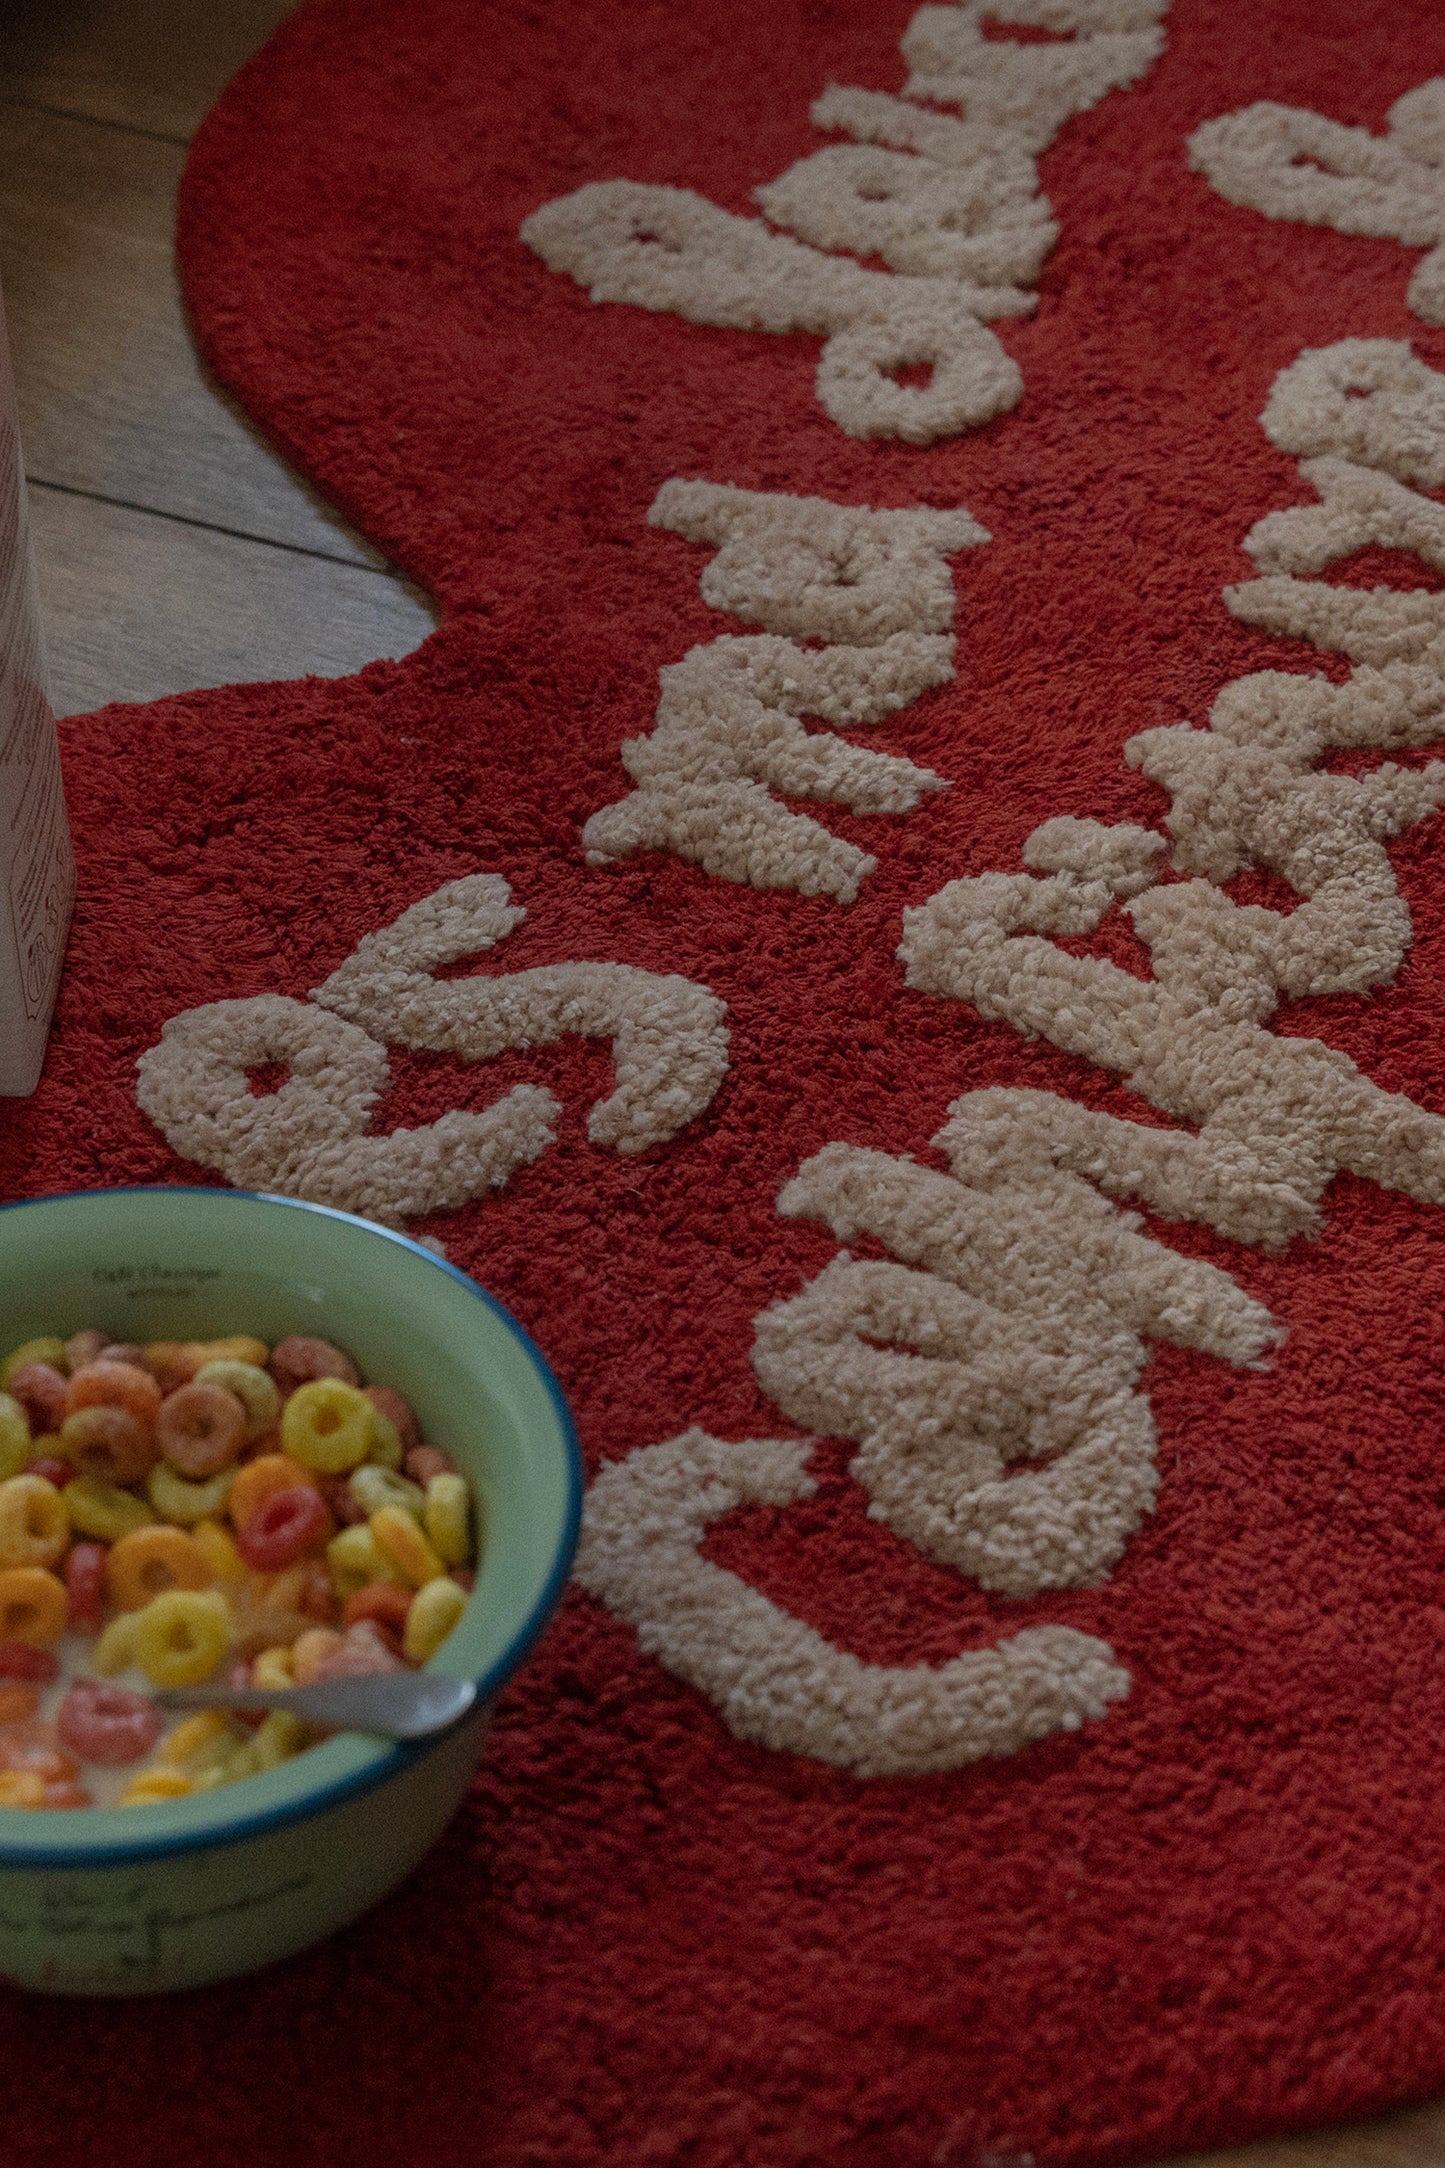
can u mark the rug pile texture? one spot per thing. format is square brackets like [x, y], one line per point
[899, 924]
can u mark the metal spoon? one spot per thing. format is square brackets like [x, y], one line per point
[398, 1704]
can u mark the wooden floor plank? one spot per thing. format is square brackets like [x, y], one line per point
[113, 400]
[136, 607]
[152, 64]
[1412, 2139]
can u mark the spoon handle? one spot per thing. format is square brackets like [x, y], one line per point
[240, 1698]
[401, 1705]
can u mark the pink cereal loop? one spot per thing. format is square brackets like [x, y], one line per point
[107, 1725]
[425, 1461]
[300, 1359]
[200, 1429]
[41, 1393]
[396, 1410]
[362, 1651]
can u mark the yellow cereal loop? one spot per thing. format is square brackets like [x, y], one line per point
[192, 1734]
[374, 1487]
[21, 1788]
[181, 1636]
[400, 1539]
[150, 1786]
[446, 1519]
[273, 1668]
[185, 1503]
[328, 1426]
[356, 1560]
[47, 1350]
[386, 1448]
[103, 1511]
[218, 1548]
[114, 1652]
[434, 1611]
[239, 1348]
[278, 1738]
[15, 1443]
[34, 1523]
[254, 1387]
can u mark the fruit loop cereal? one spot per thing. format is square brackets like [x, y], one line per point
[190, 1511]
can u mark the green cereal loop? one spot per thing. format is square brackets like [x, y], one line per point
[186, 1503]
[374, 1487]
[256, 1390]
[242, 1763]
[104, 1511]
[16, 1444]
[215, 1774]
[45, 1350]
[280, 1735]
[356, 1560]
[204, 1767]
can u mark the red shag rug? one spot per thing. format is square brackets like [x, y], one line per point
[900, 925]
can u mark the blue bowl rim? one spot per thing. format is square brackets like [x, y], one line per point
[402, 1755]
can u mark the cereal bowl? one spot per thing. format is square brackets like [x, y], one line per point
[141, 1899]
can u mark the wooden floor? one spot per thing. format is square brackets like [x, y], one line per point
[174, 550]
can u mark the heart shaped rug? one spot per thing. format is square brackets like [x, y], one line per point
[899, 925]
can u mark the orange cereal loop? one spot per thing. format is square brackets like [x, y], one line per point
[21, 1788]
[167, 1364]
[279, 1591]
[382, 1602]
[310, 1651]
[18, 1703]
[105, 1384]
[34, 1606]
[256, 1627]
[109, 1445]
[259, 1479]
[149, 1562]
[402, 1541]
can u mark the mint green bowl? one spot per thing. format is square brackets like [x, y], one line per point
[136, 1900]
